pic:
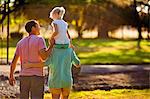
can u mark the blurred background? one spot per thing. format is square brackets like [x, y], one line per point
[103, 31]
[111, 38]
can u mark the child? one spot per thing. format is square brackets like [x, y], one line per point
[60, 27]
[31, 49]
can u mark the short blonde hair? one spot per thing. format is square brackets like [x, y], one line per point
[59, 10]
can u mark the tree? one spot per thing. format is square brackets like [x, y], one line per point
[16, 4]
[106, 16]
[138, 22]
[74, 16]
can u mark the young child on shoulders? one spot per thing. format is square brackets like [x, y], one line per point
[60, 28]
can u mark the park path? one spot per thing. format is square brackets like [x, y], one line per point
[90, 77]
[94, 69]
[104, 69]
[107, 77]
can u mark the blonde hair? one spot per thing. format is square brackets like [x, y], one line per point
[59, 10]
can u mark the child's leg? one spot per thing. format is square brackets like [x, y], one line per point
[24, 87]
[65, 93]
[55, 93]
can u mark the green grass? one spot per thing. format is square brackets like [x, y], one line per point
[97, 51]
[112, 51]
[113, 94]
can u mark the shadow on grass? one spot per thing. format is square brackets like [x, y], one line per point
[137, 57]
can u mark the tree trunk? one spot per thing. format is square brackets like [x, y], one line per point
[139, 37]
[138, 25]
[78, 28]
[148, 37]
[79, 32]
[19, 27]
[148, 24]
[102, 31]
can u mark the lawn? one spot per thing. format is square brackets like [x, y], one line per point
[97, 51]
[113, 94]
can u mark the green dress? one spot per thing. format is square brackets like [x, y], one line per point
[60, 63]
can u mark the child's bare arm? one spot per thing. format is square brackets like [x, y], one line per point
[44, 53]
[55, 32]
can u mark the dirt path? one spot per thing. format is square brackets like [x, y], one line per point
[91, 77]
[109, 77]
[129, 80]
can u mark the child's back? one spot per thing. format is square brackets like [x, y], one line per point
[61, 37]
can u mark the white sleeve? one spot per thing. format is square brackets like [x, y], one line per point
[66, 23]
[54, 22]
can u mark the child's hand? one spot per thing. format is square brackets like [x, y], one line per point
[50, 27]
[72, 46]
[51, 41]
